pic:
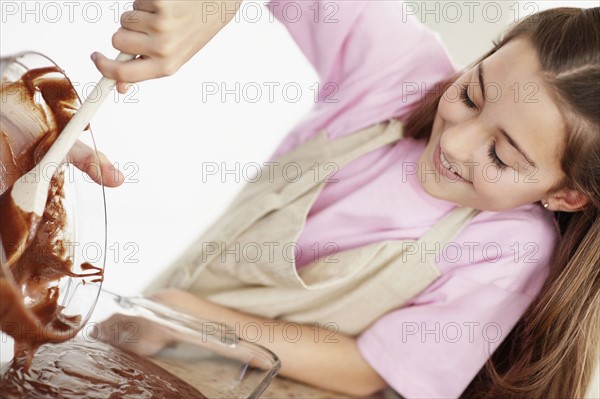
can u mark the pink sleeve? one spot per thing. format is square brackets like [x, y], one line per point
[373, 60]
[433, 350]
[434, 346]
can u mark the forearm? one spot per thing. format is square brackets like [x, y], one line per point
[311, 354]
[308, 353]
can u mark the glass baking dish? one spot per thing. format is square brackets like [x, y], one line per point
[208, 356]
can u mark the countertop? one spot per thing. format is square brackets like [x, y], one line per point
[217, 373]
[282, 387]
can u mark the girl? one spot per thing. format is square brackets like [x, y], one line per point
[458, 237]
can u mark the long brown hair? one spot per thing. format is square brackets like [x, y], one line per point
[552, 351]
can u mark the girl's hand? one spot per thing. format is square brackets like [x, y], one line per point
[166, 34]
[141, 335]
[134, 334]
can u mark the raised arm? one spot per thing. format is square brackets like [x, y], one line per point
[166, 34]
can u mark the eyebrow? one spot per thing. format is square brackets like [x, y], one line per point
[506, 135]
[481, 82]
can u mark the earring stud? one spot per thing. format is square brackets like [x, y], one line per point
[546, 205]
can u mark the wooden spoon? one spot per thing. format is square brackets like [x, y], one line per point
[22, 206]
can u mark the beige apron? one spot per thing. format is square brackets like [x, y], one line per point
[245, 260]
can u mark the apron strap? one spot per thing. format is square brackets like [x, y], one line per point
[448, 226]
[354, 145]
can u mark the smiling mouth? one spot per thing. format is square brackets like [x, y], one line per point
[444, 167]
[446, 164]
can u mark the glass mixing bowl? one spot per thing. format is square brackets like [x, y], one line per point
[84, 235]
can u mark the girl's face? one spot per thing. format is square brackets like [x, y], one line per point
[498, 145]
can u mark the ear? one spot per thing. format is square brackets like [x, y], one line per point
[567, 200]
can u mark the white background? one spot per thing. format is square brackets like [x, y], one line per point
[163, 132]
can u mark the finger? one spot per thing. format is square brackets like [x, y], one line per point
[123, 87]
[118, 329]
[100, 330]
[131, 42]
[133, 71]
[133, 333]
[145, 5]
[99, 168]
[138, 21]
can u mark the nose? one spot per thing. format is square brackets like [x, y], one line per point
[462, 143]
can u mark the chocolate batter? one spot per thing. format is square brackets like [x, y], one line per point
[90, 370]
[35, 110]
[32, 315]
[29, 309]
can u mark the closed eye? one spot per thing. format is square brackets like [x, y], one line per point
[464, 96]
[494, 157]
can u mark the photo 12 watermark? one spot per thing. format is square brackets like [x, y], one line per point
[268, 252]
[93, 12]
[63, 249]
[267, 172]
[452, 332]
[268, 92]
[468, 12]
[129, 331]
[470, 252]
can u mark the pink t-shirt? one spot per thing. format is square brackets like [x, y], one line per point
[380, 59]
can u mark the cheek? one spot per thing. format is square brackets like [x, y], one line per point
[487, 187]
[491, 194]
[493, 187]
